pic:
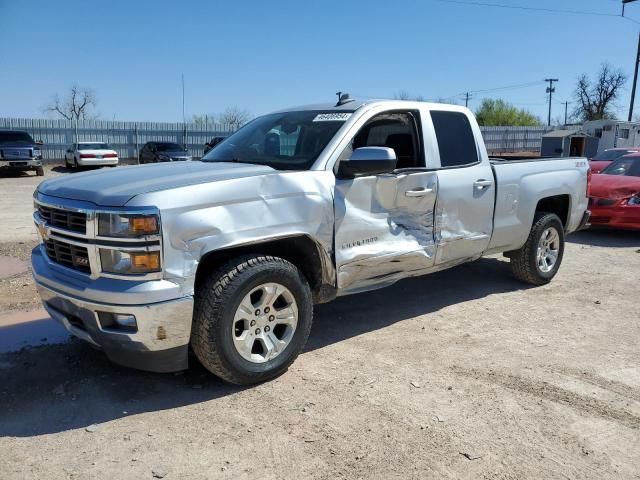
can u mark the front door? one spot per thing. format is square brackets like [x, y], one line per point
[384, 223]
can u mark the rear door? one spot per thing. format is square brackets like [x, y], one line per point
[384, 223]
[466, 190]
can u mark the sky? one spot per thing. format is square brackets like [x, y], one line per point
[265, 55]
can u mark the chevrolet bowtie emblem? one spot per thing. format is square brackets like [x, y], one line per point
[42, 228]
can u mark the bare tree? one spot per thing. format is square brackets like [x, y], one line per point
[401, 95]
[203, 120]
[78, 104]
[404, 95]
[234, 116]
[595, 100]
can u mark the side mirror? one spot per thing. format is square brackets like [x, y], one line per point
[39, 142]
[367, 161]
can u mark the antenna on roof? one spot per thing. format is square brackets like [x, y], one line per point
[343, 98]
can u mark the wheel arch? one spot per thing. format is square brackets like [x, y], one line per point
[558, 204]
[301, 250]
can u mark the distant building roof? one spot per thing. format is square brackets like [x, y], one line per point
[564, 133]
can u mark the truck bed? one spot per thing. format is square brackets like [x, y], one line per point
[525, 158]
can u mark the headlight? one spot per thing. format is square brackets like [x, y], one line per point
[127, 225]
[128, 262]
[635, 200]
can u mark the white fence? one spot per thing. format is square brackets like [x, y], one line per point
[128, 137]
[513, 139]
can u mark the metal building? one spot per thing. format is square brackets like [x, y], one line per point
[568, 143]
[614, 133]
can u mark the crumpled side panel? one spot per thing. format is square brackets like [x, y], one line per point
[382, 234]
[198, 219]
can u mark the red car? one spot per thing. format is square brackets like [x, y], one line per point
[604, 158]
[615, 194]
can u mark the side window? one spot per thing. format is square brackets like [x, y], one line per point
[456, 142]
[397, 130]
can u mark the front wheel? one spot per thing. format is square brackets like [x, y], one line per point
[252, 318]
[40, 171]
[539, 259]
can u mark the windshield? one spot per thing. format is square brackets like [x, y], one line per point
[169, 147]
[609, 155]
[7, 138]
[629, 166]
[284, 141]
[93, 146]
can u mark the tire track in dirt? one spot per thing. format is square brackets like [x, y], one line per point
[547, 391]
[596, 380]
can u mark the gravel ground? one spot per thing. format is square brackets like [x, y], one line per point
[461, 374]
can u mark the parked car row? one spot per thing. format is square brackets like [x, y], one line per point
[19, 151]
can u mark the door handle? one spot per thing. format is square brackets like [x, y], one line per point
[418, 192]
[482, 184]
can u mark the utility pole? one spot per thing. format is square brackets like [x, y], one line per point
[466, 99]
[566, 107]
[184, 120]
[635, 81]
[550, 91]
[635, 75]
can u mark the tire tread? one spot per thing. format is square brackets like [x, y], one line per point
[212, 297]
[521, 259]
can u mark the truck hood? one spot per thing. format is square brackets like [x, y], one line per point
[115, 187]
[614, 187]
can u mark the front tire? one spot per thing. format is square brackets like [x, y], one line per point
[252, 318]
[40, 171]
[539, 259]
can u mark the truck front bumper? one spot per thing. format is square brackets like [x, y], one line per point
[160, 343]
[21, 164]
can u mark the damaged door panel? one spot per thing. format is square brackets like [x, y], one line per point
[384, 228]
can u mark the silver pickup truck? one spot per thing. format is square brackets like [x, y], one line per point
[229, 254]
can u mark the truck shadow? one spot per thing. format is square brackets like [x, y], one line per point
[606, 238]
[55, 388]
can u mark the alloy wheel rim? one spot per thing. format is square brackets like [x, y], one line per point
[265, 322]
[548, 250]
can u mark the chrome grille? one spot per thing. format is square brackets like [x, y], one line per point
[69, 255]
[70, 220]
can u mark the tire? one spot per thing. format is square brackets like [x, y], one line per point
[40, 171]
[532, 266]
[219, 322]
[66, 162]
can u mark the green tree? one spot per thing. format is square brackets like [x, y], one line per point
[495, 113]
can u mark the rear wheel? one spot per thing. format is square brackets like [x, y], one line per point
[539, 259]
[252, 318]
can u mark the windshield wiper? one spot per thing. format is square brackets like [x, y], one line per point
[237, 160]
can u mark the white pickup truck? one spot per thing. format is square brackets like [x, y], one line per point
[229, 254]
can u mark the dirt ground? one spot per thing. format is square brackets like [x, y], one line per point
[462, 374]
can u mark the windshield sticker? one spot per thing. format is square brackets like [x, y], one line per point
[332, 117]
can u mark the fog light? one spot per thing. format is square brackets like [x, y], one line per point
[120, 322]
[129, 263]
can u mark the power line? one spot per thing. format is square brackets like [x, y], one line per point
[537, 9]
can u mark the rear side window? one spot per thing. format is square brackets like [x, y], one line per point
[456, 142]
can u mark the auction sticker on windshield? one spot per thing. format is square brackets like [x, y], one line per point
[332, 117]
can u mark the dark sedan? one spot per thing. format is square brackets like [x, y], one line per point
[155, 152]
